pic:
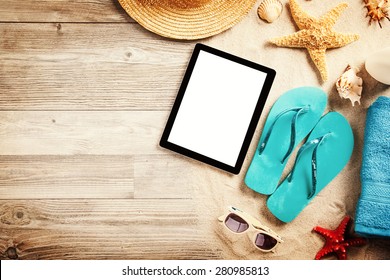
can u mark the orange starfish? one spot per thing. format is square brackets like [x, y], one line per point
[337, 241]
[316, 35]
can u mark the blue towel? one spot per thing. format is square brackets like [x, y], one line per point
[373, 208]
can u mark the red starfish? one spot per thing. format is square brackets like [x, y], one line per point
[337, 241]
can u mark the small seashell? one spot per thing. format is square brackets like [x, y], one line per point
[270, 10]
[349, 85]
[378, 65]
[377, 10]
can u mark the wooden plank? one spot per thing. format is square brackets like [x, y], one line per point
[62, 11]
[88, 67]
[98, 176]
[75, 132]
[81, 176]
[165, 176]
[172, 175]
[123, 229]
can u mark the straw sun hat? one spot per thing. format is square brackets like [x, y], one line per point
[187, 19]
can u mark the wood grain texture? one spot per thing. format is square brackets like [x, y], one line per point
[88, 67]
[62, 11]
[123, 229]
[165, 176]
[80, 176]
[98, 177]
[74, 132]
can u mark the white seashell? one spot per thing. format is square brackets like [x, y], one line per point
[378, 66]
[270, 10]
[349, 85]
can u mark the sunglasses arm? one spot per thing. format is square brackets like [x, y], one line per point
[222, 218]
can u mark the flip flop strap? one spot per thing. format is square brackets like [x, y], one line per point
[298, 111]
[313, 143]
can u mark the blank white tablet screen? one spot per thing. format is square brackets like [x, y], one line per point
[217, 108]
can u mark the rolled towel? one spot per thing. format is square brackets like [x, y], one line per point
[373, 208]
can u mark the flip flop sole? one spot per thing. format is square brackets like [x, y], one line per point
[265, 170]
[290, 198]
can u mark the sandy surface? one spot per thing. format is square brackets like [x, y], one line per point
[294, 68]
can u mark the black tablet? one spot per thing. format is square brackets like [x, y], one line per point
[217, 108]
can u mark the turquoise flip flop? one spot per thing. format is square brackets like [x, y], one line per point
[290, 120]
[325, 153]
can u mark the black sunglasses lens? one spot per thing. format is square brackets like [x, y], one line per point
[265, 242]
[235, 223]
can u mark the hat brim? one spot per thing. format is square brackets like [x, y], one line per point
[188, 24]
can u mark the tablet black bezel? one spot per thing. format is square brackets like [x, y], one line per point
[270, 75]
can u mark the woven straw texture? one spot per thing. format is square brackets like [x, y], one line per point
[187, 20]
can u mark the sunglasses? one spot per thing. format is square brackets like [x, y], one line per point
[238, 222]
